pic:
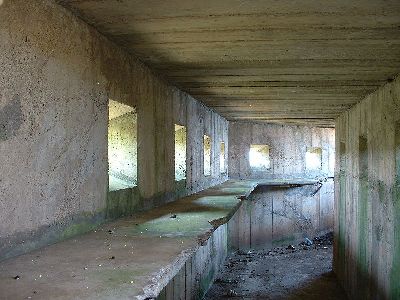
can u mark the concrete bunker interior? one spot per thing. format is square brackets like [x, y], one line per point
[187, 150]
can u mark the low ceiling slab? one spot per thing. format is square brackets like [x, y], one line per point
[296, 62]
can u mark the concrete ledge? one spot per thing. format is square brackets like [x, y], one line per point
[137, 256]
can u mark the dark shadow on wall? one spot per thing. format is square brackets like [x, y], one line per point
[319, 288]
[370, 290]
[11, 118]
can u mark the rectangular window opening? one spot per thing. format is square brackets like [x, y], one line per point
[314, 158]
[122, 146]
[259, 157]
[180, 152]
[222, 159]
[207, 155]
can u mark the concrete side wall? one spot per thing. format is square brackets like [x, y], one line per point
[273, 216]
[367, 201]
[198, 273]
[56, 76]
[255, 224]
[288, 147]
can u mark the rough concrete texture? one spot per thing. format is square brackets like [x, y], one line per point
[233, 233]
[275, 215]
[288, 146]
[284, 61]
[367, 202]
[56, 77]
[135, 256]
[173, 252]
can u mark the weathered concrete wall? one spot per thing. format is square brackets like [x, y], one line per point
[56, 76]
[275, 215]
[288, 147]
[269, 216]
[199, 271]
[367, 198]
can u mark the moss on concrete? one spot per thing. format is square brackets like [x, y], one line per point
[205, 282]
[284, 241]
[76, 229]
[122, 202]
[180, 188]
[362, 219]
[341, 239]
[395, 271]
[111, 278]
[50, 234]
[183, 225]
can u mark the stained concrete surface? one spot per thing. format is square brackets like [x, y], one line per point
[57, 74]
[135, 256]
[287, 272]
[279, 61]
[275, 215]
[288, 147]
[367, 204]
[127, 258]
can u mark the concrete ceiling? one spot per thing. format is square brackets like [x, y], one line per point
[301, 62]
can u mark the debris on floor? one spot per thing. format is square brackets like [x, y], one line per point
[286, 272]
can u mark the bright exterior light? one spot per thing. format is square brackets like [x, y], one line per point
[222, 158]
[180, 152]
[207, 155]
[122, 146]
[314, 159]
[259, 156]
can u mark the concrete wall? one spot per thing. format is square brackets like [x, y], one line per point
[287, 147]
[367, 199]
[56, 77]
[199, 271]
[251, 226]
[276, 215]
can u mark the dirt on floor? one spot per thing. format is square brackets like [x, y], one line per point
[301, 271]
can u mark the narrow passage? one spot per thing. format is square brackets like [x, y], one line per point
[288, 272]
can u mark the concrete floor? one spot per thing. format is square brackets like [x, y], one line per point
[279, 273]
